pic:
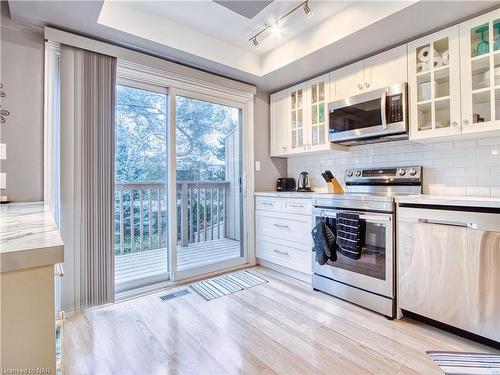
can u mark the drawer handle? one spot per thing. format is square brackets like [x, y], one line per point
[267, 203]
[448, 223]
[281, 252]
[281, 226]
[297, 205]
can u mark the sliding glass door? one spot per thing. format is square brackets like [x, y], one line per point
[208, 186]
[141, 246]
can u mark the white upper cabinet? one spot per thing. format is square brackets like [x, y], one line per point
[480, 64]
[434, 84]
[317, 97]
[382, 70]
[279, 123]
[297, 108]
[347, 81]
[386, 69]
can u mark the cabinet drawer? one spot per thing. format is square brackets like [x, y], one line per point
[297, 206]
[268, 204]
[284, 253]
[291, 227]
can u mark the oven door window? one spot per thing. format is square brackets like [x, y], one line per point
[356, 116]
[373, 251]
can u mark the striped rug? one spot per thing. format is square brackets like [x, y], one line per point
[226, 284]
[459, 363]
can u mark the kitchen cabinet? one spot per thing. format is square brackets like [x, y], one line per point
[279, 123]
[283, 233]
[317, 97]
[480, 72]
[434, 84]
[382, 70]
[296, 108]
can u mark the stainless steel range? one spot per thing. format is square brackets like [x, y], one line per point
[370, 280]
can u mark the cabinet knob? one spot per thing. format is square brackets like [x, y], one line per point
[454, 123]
[367, 84]
[466, 122]
[360, 86]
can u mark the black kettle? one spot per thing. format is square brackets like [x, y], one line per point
[303, 182]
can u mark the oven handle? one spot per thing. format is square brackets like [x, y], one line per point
[362, 216]
[383, 103]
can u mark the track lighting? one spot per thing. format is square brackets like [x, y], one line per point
[275, 25]
[309, 13]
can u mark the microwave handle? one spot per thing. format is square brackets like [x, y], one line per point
[383, 104]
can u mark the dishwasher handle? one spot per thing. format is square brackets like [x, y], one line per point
[448, 223]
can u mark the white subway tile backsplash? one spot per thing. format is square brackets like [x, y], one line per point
[465, 167]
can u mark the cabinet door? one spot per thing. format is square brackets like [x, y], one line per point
[434, 85]
[317, 122]
[386, 69]
[297, 119]
[279, 123]
[480, 64]
[347, 81]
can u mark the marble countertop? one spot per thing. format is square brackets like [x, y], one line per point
[285, 194]
[450, 200]
[28, 237]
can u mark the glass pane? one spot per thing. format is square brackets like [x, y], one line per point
[496, 35]
[442, 113]
[314, 114]
[208, 183]
[293, 99]
[294, 139]
[355, 117]
[299, 99]
[314, 135]
[424, 87]
[481, 73]
[321, 91]
[479, 38]
[300, 138]
[497, 104]
[423, 57]
[299, 119]
[497, 69]
[481, 108]
[140, 187]
[424, 116]
[442, 83]
[322, 134]
[441, 55]
[294, 119]
[321, 112]
[314, 92]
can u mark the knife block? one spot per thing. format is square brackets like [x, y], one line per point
[335, 187]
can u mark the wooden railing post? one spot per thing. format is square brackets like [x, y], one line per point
[184, 215]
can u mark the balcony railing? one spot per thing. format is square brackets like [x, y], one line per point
[203, 209]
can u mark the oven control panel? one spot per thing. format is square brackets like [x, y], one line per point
[384, 175]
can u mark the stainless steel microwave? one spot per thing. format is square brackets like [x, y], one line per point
[376, 116]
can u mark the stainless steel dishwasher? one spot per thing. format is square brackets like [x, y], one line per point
[448, 264]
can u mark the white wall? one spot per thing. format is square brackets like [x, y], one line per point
[21, 61]
[465, 167]
[270, 168]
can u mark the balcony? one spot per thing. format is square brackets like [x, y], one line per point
[207, 228]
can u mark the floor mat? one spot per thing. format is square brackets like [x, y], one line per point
[226, 284]
[455, 363]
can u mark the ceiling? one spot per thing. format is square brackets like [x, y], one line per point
[213, 35]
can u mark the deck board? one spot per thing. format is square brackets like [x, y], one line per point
[154, 262]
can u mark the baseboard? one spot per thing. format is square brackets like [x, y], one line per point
[286, 271]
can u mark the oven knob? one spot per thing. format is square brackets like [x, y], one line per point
[413, 171]
[402, 172]
[358, 173]
[349, 173]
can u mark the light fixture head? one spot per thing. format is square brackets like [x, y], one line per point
[255, 42]
[309, 13]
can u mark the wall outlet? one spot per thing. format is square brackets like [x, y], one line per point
[257, 165]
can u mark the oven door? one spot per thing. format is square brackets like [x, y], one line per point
[374, 271]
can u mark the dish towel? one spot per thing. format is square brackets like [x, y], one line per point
[348, 236]
[324, 241]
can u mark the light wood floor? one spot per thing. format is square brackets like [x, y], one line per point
[282, 327]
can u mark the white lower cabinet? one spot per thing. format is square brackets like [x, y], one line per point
[283, 234]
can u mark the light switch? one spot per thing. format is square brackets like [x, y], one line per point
[3, 151]
[3, 180]
[257, 165]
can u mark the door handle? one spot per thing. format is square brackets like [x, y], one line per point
[267, 203]
[281, 226]
[281, 252]
[448, 223]
[383, 103]
[297, 205]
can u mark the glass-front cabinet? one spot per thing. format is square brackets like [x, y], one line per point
[434, 84]
[317, 101]
[480, 62]
[297, 134]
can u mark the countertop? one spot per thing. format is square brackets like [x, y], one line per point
[450, 200]
[285, 194]
[28, 237]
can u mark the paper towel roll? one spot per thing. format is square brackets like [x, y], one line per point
[422, 67]
[424, 54]
[446, 57]
[438, 61]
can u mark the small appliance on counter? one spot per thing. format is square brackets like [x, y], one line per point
[303, 183]
[285, 184]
